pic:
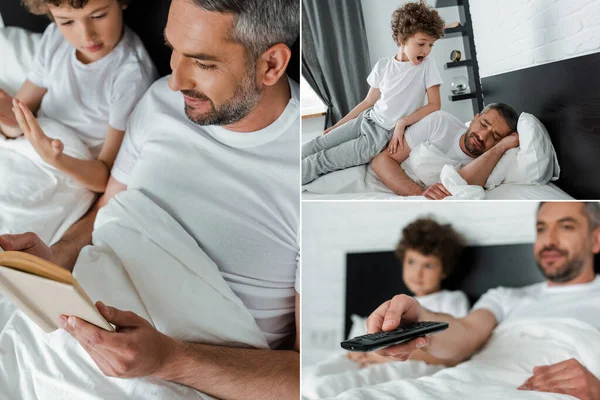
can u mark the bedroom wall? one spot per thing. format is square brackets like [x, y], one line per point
[378, 14]
[330, 230]
[516, 34]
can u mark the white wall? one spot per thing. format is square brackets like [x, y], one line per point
[378, 15]
[332, 229]
[516, 34]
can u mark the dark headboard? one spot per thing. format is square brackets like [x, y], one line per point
[373, 278]
[564, 95]
[147, 18]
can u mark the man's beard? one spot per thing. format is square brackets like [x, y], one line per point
[247, 95]
[469, 147]
[569, 271]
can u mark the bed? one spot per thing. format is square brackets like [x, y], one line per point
[568, 108]
[373, 278]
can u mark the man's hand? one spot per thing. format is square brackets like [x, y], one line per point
[388, 316]
[136, 349]
[397, 139]
[436, 191]
[29, 243]
[509, 142]
[48, 149]
[566, 377]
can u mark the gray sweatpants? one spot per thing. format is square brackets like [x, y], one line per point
[356, 142]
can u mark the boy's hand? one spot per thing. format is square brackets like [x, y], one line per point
[7, 117]
[397, 138]
[48, 149]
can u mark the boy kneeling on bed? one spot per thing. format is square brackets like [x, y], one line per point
[395, 100]
[89, 72]
[428, 252]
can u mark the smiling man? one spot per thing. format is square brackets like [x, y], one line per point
[568, 237]
[477, 148]
[216, 146]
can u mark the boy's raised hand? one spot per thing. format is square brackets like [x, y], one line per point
[7, 116]
[48, 149]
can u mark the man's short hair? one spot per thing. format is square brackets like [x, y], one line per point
[506, 112]
[428, 237]
[591, 209]
[259, 24]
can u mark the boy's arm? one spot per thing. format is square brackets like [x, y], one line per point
[369, 101]
[478, 170]
[93, 174]
[434, 103]
[29, 94]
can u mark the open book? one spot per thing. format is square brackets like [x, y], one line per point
[44, 291]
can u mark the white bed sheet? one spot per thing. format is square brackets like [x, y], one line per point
[358, 183]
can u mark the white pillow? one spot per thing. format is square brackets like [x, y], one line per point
[536, 162]
[17, 49]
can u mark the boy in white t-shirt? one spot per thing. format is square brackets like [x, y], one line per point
[428, 252]
[395, 99]
[89, 72]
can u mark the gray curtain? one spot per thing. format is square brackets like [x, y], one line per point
[335, 54]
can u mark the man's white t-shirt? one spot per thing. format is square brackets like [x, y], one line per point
[579, 301]
[91, 97]
[443, 130]
[454, 302]
[237, 194]
[403, 87]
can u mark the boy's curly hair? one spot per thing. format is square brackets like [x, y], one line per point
[415, 17]
[40, 7]
[428, 237]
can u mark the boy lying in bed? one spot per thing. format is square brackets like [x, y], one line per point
[568, 236]
[428, 252]
[88, 74]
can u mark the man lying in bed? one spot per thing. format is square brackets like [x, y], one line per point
[568, 236]
[215, 146]
[478, 148]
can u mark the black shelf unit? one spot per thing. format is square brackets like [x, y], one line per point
[470, 57]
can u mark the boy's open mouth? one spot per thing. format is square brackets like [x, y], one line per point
[420, 58]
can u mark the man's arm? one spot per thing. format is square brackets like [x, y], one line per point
[66, 250]
[387, 168]
[463, 337]
[478, 170]
[566, 377]
[137, 349]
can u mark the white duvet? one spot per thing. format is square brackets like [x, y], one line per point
[143, 261]
[426, 165]
[35, 197]
[504, 364]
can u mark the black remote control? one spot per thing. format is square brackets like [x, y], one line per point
[404, 333]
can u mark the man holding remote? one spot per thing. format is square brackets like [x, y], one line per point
[568, 236]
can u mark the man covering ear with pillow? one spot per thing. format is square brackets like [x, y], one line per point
[477, 148]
